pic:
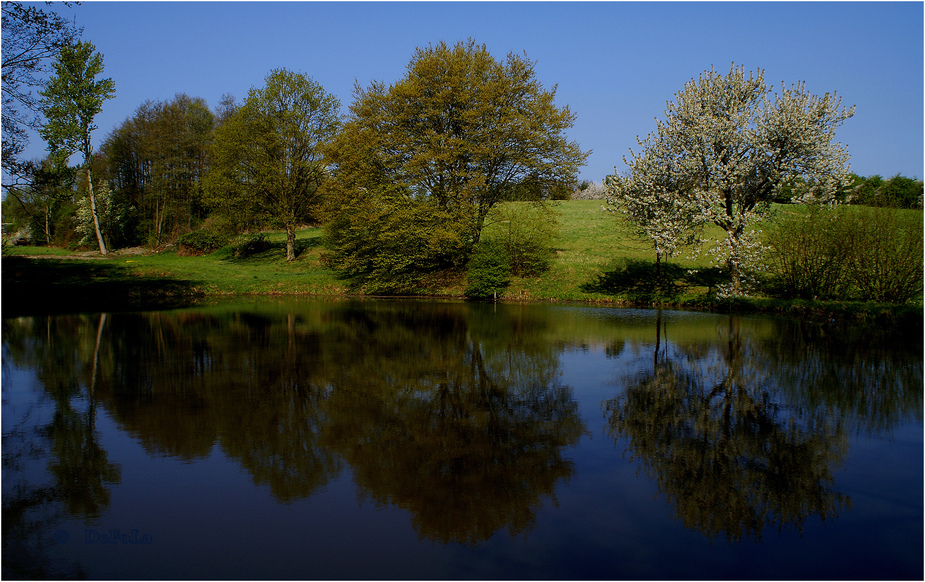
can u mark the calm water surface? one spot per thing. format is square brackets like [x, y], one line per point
[356, 440]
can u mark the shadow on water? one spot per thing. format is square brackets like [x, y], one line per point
[34, 286]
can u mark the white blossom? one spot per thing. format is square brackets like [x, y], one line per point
[725, 147]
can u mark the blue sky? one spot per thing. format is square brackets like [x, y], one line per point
[616, 64]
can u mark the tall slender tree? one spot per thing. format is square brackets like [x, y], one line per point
[70, 101]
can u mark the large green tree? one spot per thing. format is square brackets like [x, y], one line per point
[70, 101]
[727, 145]
[267, 160]
[458, 132]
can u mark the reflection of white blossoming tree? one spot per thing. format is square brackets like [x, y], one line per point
[722, 152]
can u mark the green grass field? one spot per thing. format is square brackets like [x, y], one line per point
[596, 259]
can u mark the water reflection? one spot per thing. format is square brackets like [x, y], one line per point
[80, 472]
[744, 433]
[456, 413]
[433, 407]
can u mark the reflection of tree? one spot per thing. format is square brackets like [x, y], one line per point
[79, 470]
[79, 464]
[467, 457]
[188, 380]
[467, 443]
[868, 377]
[730, 460]
[65, 352]
[30, 510]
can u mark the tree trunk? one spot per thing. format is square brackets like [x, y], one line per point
[96, 218]
[47, 226]
[290, 242]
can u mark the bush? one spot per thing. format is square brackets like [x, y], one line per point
[886, 254]
[489, 271]
[808, 254]
[865, 253]
[200, 242]
[251, 245]
[525, 232]
[393, 244]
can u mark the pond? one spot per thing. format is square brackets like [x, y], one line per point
[349, 439]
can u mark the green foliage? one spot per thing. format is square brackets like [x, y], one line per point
[44, 205]
[525, 232]
[71, 100]
[462, 131]
[389, 244]
[157, 159]
[267, 161]
[886, 254]
[489, 270]
[897, 192]
[808, 255]
[865, 253]
[201, 242]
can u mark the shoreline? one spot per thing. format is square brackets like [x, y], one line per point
[44, 291]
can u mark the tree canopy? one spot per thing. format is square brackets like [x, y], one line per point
[32, 38]
[459, 132]
[157, 159]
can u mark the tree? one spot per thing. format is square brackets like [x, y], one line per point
[267, 158]
[726, 146]
[71, 100]
[460, 130]
[31, 38]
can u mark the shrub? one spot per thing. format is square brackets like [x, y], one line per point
[393, 244]
[489, 270]
[525, 232]
[886, 254]
[866, 253]
[200, 242]
[808, 254]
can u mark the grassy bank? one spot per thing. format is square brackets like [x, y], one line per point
[596, 260]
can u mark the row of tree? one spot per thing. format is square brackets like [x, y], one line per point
[406, 182]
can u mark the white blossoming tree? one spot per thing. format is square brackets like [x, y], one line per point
[727, 144]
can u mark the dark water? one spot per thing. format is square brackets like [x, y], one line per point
[441, 440]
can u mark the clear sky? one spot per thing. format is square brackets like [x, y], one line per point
[616, 64]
